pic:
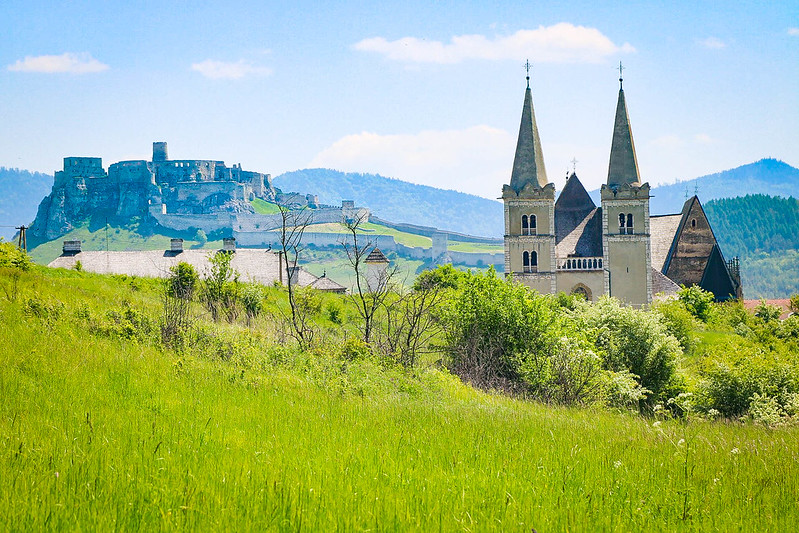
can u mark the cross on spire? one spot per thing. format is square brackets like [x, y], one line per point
[621, 70]
[527, 67]
[574, 165]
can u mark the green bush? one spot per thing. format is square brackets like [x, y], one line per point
[697, 301]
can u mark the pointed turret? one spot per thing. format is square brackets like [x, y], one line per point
[623, 168]
[528, 165]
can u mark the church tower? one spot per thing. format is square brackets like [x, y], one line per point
[625, 218]
[530, 209]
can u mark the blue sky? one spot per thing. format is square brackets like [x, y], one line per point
[428, 92]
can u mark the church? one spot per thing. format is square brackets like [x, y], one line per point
[570, 245]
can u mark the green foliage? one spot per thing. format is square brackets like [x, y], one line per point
[252, 299]
[13, 257]
[767, 312]
[635, 341]
[182, 281]
[697, 301]
[680, 323]
[200, 237]
[221, 287]
[441, 277]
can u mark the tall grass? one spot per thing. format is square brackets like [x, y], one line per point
[102, 433]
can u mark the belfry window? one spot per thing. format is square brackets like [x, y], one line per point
[629, 223]
[622, 229]
[525, 226]
[532, 225]
[530, 261]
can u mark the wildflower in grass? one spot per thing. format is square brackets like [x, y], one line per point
[656, 424]
[617, 464]
[735, 451]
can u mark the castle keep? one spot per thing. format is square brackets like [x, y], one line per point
[571, 245]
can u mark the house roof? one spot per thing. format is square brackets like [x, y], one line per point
[326, 284]
[663, 285]
[256, 265]
[528, 164]
[623, 167]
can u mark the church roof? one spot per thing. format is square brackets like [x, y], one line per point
[574, 196]
[583, 239]
[528, 164]
[623, 167]
[716, 277]
[663, 229]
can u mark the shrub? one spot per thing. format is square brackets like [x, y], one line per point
[697, 301]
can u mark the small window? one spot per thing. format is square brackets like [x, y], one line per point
[630, 223]
[525, 226]
[526, 261]
[693, 222]
[621, 223]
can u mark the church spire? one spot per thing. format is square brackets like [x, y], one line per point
[528, 165]
[623, 168]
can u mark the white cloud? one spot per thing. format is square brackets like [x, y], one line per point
[703, 138]
[221, 70]
[713, 43]
[793, 31]
[559, 43]
[475, 160]
[66, 62]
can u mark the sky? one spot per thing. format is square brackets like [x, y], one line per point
[427, 92]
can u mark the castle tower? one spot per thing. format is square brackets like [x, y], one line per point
[159, 151]
[625, 218]
[530, 209]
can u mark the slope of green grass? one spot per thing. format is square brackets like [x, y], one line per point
[369, 228]
[263, 207]
[105, 431]
[475, 247]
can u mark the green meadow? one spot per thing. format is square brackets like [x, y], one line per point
[104, 427]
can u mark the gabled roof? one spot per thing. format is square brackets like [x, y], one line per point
[574, 196]
[662, 284]
[583, 239]
[376, 256]
[716, 277]
[528, 164]
[623, 167]
[663, 229]
[258, 265]
[326, 284]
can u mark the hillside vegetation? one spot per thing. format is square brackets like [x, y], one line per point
[112, 420]
[764, 232]
[20, 194]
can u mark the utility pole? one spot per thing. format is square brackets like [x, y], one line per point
[23, 240]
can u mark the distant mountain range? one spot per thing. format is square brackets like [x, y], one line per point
[20, 194]
[400, 201]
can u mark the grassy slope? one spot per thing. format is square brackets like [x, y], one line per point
[97, 432]
[408, 239]
[264, 208]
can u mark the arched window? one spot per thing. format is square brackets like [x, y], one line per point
[693, 222]
[621, 223]
[526, 261]
[533, 261]
[525, 227]
[629, 223]
[532, 225]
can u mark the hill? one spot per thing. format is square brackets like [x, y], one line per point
[106, 427]
[767, 176]
[400, 201]
[20, 194]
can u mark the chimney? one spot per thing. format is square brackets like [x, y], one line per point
[229, 244]
[176, 245]
[71, 247]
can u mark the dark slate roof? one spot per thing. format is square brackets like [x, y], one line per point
[258, 265]
[528, 164]
[716, 277]
[662, 285]
[583, 239]
[574, 205]
[376, 256]
[623, 167]
[663, 229]
[574, 196]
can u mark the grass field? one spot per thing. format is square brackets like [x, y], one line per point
[475, 247]
[263, 207]
[105, 429]
[369, 228]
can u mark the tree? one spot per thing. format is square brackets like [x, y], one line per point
[293, 223]
[368, 299]
[220, 290]
[178, 292]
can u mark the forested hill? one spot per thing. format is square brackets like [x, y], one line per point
[755, 223]
[767, 176]
[20, 194]
[764, 232]
[400, 201]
